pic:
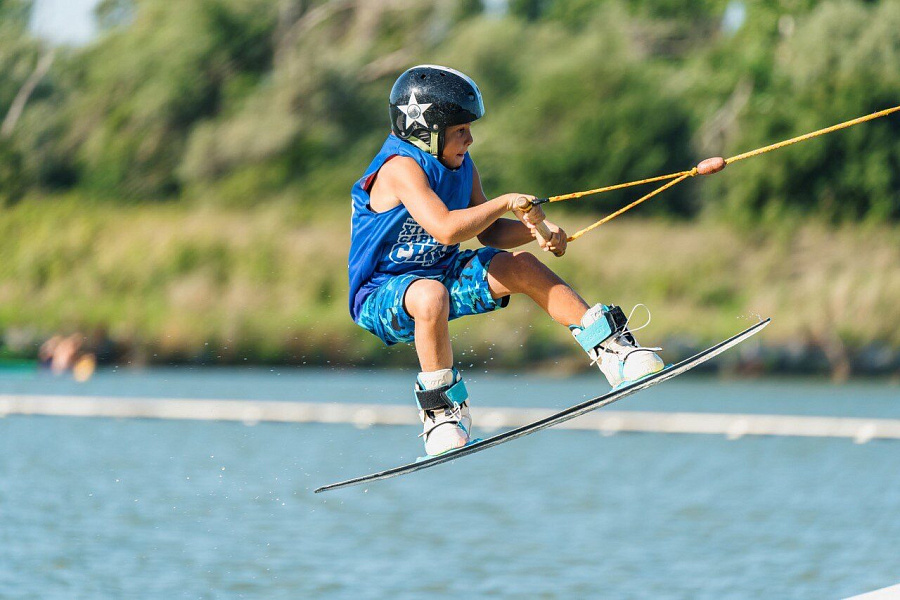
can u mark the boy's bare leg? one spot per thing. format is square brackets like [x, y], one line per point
[445, 428]
[428, 302]
[523, 273]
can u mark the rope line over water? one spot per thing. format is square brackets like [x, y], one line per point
[707, 167]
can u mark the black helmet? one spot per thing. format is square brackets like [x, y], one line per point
[427, 99]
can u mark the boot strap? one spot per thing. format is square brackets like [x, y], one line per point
[444, 397]
[612, 322]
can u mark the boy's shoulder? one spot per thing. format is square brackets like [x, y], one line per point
[401, 165]
[399, 169]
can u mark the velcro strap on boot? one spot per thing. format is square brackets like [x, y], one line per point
[444, 397]
[612, 321]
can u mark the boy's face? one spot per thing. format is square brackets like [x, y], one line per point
[457, 139]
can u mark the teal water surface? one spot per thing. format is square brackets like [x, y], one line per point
[101, 508]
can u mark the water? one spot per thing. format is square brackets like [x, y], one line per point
[100, 508]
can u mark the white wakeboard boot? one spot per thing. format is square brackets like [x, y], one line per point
[443, 410]
[605, 336]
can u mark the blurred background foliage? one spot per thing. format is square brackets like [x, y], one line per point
[247, 109]
[233, 100]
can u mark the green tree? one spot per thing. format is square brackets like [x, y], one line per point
[19, 55]
[317, 112]
[530, 10]
[567, 113]
[236, 100]
[847, 175]
[136, 94]
[465, 9]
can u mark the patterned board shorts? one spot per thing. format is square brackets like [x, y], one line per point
[383, 313]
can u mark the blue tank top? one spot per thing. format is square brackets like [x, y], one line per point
[391, 243]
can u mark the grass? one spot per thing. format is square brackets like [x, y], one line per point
[177, 281]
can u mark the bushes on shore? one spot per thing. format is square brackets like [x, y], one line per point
[175, 283]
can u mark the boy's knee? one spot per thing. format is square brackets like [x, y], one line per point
[517, 270]
[514, 261]
[427, 300]
[526, 258]
[525, 264]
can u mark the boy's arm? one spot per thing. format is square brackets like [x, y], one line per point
[511, 233]
[404, 178]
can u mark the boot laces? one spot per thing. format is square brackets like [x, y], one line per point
[455, 418]
[621, 337]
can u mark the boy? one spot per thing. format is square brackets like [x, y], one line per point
[420, 197]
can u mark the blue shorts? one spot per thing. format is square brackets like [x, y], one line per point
[383, 313]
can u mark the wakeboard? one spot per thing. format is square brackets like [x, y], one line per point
[570, 413]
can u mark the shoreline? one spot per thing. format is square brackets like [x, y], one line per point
[750, 360]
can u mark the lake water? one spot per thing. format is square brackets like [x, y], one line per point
[101, 508]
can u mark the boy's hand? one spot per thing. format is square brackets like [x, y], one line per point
[532, 216]
[558, 239]
[551, 238]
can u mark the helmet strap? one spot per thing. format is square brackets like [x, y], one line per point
[432, 147]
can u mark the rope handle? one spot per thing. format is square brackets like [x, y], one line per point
[543, 232]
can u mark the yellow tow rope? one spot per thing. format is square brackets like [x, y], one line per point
[706, 167]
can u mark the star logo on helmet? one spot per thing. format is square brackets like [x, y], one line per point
[415, 112]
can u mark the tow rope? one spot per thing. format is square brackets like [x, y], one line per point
[705, 167]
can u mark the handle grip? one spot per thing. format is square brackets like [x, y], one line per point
[525, 205]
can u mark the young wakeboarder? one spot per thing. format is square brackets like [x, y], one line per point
[419, 198]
